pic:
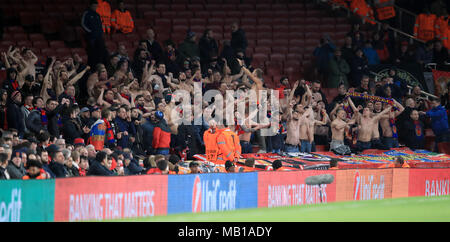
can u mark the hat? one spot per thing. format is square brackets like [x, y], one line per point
[193, 163]
[33, 163]
[85, 109]
[190, 34]
[52, 148]
[277, 164]
[95, 108]
[14, 94]
[16, 153]
[78, 141]
[159, 115]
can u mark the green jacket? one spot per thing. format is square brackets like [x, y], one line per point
[338, 70]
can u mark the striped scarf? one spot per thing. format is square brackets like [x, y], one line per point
[393, 127]
[15, 84]
[28, 107]
[109, 132]
[44, 119]
[126, 97]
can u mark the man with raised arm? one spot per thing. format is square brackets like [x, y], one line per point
[338, 128]
[389, 129]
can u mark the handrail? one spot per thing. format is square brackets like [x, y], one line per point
[409, 87]
[411, 37]
[405, 10]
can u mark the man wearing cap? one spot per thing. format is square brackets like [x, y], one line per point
[14, 115]
[189, 48]
[16, 167]
[57, 161]
[161, 135]
[85, 117]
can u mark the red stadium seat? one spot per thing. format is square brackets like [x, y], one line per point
[25, 43]
[197, 21]
[42, 44]
[264, 42]
[264, 35]
[47, 52]
[195, 7]
[277, 57]
[178, 7]
[202, 14]
[281, 49]
[266, 50]
[151, 15]
[56, 44]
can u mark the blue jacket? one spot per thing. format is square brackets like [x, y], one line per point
[147, 136]
[439, 120]
[122, 126]
[372, 56]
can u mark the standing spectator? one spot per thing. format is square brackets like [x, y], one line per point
[347, 49]
[15, 168]
[371, 54]
[153, 46]
[207, 47]
[404, 54]
[4, 109]
[104, 10]
[323, 53]
[414, 131]
[439, 121]
[147, 133]
[73, 129]
[125, 129]
[424, 54]
[359, 67]
[121, 19]
[424, 25]
[14, 114]
[161, 135]
[101, 134]
[189, 48]
[238, 38]
[440, 56]
[338, 70]
[93, 27]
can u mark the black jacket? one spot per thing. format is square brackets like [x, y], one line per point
[92, 24]
[98, 169]
[238, 40]
[15, 118]
[71, 130]
[58, 169]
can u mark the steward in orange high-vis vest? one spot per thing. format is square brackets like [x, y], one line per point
[229, 146]
[361, 8]
[398, 163]
[210, 140]
[441, 30]
[104, 10]
[384, 8]
[424, 26]
[121, 20]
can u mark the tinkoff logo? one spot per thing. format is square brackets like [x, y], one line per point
[207, 196]
[367, 189]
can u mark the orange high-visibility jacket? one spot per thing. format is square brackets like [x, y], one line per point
[385, 9]
[122, 21]
[229, 146]
[441, 30]
[361, 8]
[211, 148]
[104, 10]
[424, 26]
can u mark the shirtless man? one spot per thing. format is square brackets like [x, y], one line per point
[310, 123]
[293, 128]
[389, 129]
[376, 142]
[366, 126]
[338, 129]
[245, 132]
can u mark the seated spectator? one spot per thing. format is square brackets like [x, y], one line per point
[101, 166]
[57, 161]
[4, 174]
[16, 168]
[194, 168]
[34, 171]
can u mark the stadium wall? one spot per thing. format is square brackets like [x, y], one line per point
[104, 198]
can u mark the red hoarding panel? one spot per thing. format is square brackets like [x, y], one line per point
[289, 188]
[102, 198]
[429, 182]
[364, 184]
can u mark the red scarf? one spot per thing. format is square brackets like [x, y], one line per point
[15, 84]
[109, 132]
[28, 107]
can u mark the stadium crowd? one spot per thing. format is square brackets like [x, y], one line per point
[111, 114]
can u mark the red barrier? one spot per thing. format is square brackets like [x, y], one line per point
[100, 198]
[429, 182]
[289, 189]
